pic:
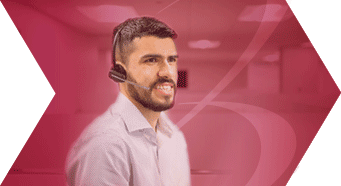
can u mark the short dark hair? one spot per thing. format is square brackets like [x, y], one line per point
[137, 27]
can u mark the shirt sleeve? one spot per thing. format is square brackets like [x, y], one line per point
[100, 162]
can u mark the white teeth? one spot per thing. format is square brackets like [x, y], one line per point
[164, 88]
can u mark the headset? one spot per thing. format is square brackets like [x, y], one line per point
[117, 72]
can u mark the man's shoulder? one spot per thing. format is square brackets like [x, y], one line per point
[106, 132]
[106, 125]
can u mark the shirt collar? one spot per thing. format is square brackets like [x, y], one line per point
[133, 118]
[164, 126]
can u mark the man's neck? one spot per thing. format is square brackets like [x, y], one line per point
[150, 115]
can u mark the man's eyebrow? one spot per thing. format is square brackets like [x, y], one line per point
[158, 56]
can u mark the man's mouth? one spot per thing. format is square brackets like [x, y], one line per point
[165, 88]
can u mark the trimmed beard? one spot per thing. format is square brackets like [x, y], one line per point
[144, 97]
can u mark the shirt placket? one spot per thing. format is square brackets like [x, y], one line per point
[152, 138]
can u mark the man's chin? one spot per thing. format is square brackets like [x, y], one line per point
[160, 107]
[152, 101]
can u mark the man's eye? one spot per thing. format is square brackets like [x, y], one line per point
[172, 59]
[151, 60]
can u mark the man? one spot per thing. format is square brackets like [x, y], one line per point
[134, 142]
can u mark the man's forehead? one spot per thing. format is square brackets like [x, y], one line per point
[153, 44]
[151, 38]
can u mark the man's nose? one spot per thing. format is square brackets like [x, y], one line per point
[165, 70]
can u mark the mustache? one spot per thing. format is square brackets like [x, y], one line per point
[164, 80]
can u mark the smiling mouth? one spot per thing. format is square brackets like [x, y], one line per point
[165, 88]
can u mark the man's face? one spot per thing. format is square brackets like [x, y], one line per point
[153, 64]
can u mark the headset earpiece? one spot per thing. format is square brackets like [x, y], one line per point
[118, 73]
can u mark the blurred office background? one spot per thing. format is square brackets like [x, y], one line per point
[251, 56]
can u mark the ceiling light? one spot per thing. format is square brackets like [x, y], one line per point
[272, 57]
[203, 44]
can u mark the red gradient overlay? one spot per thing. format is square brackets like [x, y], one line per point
[247, 121]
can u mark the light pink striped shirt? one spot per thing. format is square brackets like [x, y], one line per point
[121, 148]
